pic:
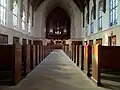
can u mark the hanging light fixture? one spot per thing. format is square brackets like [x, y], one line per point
[65, 30]
[58, 28]
[51, 28]
[57, 32]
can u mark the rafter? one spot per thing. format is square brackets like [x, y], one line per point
[80, 3]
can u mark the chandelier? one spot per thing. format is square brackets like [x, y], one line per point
[51, 30]
[65, 30]
[58, 32]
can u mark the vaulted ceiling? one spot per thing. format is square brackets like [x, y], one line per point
[80, 3]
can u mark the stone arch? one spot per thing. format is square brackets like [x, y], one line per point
[58, 17]
[68, 5]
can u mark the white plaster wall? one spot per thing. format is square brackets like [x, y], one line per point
[106, 31]
[13, 33]
[8, 28]
[39, 28]
[47, 6]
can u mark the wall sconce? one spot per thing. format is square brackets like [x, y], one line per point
[65, 30]
[51, 30]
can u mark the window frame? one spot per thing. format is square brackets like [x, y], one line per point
[23, 19]
[4, 9]
[100, 15]
[92, 21]
[29, 25]
[113, 12]
[16, 16]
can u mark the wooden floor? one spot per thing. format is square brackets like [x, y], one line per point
[56, 72]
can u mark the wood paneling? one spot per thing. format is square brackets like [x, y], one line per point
[17, 62]
[112, 40]
[32, 56]
[24, 41]
[15, 40]
[3, 39]
[26, 58]
[37, 55]
[99, 41]
[10, 64]
[30, 42]
[77, 42]
[90, 42]
[38, 42]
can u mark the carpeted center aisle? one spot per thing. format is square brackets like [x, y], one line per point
[56, 72]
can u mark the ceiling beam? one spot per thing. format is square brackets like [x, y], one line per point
[38, 4]
[77, 3]
[80, 3]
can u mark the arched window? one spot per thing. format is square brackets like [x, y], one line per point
[86, 30]
[3, 9]
[15, 14]
[23, 18]
[113, 13]
[29, 25]
[92, 21]
[86, 27]
[100, 14]
[29, 18]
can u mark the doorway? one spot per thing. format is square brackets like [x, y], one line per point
[112, 40]
[15, 40]
[90, 42]
[3, 39]
[24, 41]
[99, 41]
[85, 42]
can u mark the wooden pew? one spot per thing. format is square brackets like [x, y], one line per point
[76, 49]
[75, 45]
[72, 52]
[37, 55]
[96, 64]
[32, 57]
[78, 55]
[40, 43]
[81, 54]
[10, 64]
[26, 59]
[41, 53]
[104, 57]
[87, 59]
[66, 49]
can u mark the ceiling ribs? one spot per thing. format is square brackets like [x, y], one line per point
[80, 3]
